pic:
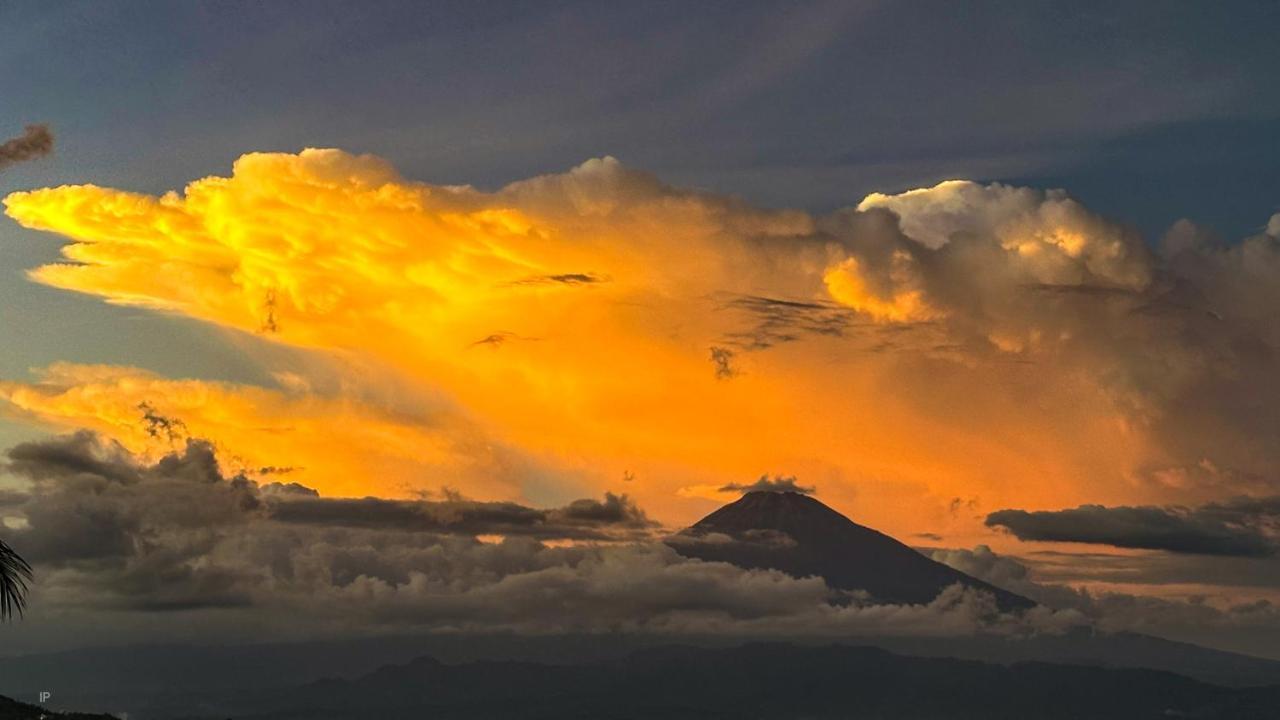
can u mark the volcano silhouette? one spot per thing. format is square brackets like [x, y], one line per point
[798, 535]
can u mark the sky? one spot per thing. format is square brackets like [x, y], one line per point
[998, 280]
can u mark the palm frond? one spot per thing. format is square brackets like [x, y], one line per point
[14, 575]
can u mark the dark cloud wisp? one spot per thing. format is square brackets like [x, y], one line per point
[1244, 527]
[36, 141]
[614, 517]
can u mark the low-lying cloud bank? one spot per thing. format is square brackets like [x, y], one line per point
[1243, 527]
[149, 543]
[107, 531]
[1247, 626]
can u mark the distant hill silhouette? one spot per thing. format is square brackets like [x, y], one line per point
[763, 681]
[800, 536]
[171, 682]
[13, 710]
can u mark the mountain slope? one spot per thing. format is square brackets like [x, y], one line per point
[800, 536]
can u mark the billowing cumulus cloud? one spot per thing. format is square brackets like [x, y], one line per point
[1247, 527]
[961, 340]
[157, 535]
[36, 141]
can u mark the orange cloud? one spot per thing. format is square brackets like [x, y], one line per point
[338, 445]
[961, 341]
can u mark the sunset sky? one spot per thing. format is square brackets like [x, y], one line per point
[1016, 287]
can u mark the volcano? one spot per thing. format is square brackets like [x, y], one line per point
[798, 535]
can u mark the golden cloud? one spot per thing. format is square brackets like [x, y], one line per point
[956, 341]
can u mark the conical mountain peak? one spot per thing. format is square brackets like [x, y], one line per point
[801, 536]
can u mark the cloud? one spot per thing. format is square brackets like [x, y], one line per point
[1245, 527]
[36, 141]
[562, 279]
[777, 483]
[615, 518]
[722, 359]
[1249, 626]
[112, 532]
[779, 320]
[1110, 368]
[340, 442]
[156, 535]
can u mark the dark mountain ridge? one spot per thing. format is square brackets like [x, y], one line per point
[764, 681]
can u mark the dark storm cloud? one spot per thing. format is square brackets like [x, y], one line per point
[100, 523]
[1245, 527]
[766, 484]
[36, 141]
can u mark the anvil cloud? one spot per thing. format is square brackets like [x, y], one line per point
[998, 345]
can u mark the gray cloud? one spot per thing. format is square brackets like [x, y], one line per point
[778, 483]
[1243, 626]
[36, 141]
[140, 535]
[1239, 527]
[616, 517]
